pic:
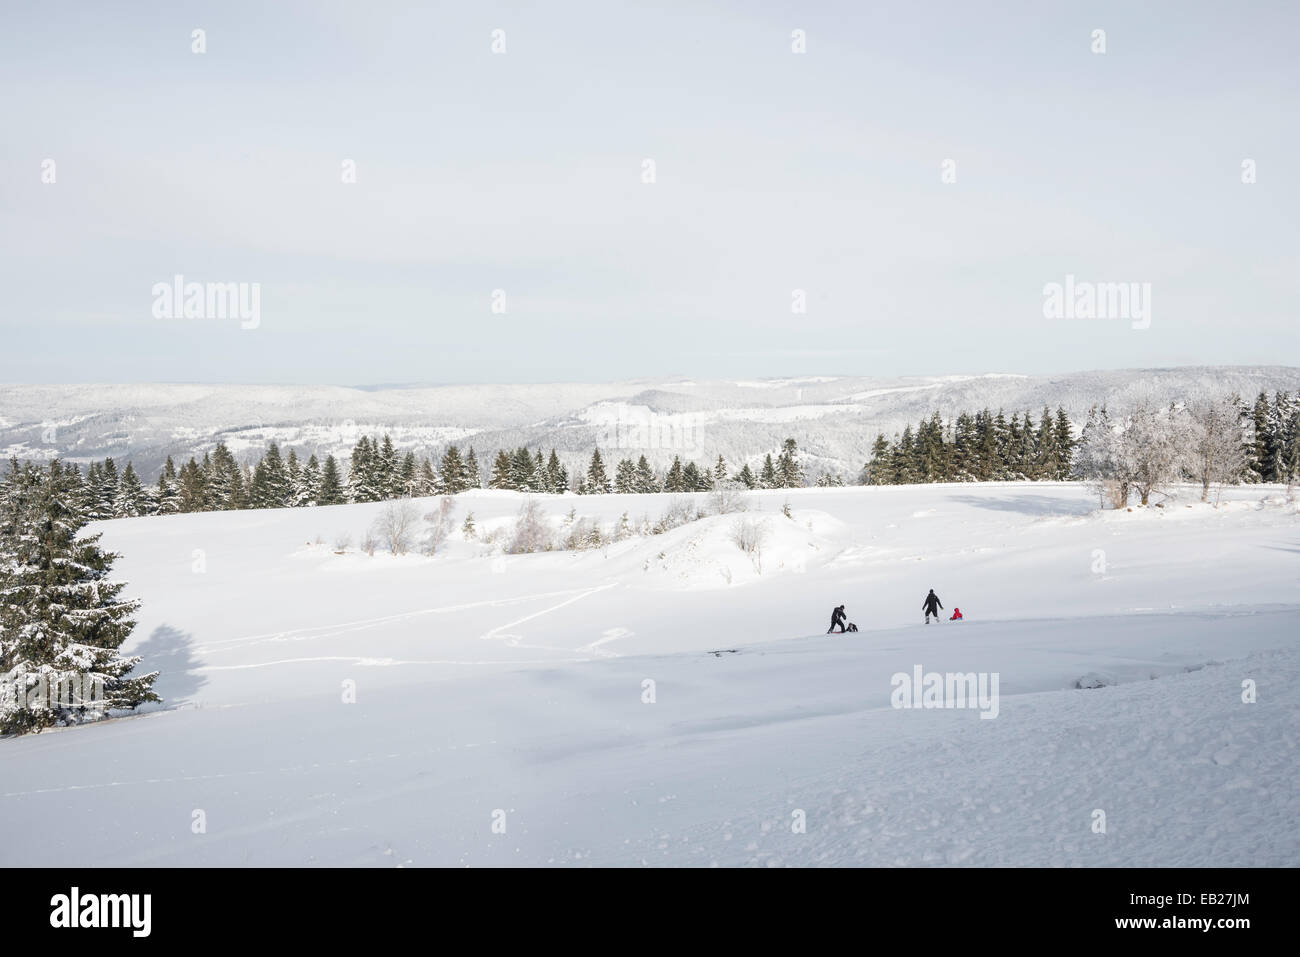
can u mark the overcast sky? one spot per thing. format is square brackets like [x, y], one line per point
[522, 171]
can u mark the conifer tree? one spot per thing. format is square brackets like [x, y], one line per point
[1065, 444]
[362, 470]
[964, 449]
[673, 481]
[168, 495]
[387, 479]
[295, 491]
[878, 469]
[557, 476]
[427, 479]
[645, 477]
[89, 498]
[309, 494]
[61, 621]
[789, 473]
[470, 475]
[275, 489]
[331, 483]
[407, 483]
[238, 485]
[1049, 459]
[131, 499]
[1258, 451]
[192, 489]
[625, 477]
[521, 471]
[454, 473]
[107, 488]
[597, 481]
[223, 483]
[905, 470]
[719, 472]
[502, 471]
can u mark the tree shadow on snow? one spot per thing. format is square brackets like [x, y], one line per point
[1283, 548]
[168, 651]
[1027, 504]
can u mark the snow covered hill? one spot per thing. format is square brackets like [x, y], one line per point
[835, 418]
[671, 699]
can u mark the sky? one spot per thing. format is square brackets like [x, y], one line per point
[915, 179]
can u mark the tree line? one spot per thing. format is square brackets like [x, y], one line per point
[978, 446]
[377, 471]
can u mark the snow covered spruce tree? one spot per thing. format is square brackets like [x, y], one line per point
[61, 621]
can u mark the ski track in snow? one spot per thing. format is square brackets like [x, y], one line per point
[333, 631]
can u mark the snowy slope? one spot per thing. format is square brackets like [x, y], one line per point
[835, 418]
[491, 683]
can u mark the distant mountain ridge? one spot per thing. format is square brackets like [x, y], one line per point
[834, 418]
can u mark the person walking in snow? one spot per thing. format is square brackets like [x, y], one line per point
[931, 606]
[838, 617]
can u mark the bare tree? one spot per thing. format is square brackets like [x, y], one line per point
[728, 497]
[531, 534]
[440, 524]
[1215, 449]
[395, 526]
[1150, 456]
[749, 534]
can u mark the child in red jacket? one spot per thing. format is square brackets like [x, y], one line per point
[956, 615]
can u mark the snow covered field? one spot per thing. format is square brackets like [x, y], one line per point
[670, 700]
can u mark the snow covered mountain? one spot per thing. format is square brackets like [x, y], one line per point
[834, 418]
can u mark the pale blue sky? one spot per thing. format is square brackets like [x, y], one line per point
[522, 172]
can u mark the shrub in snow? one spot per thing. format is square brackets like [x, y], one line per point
[583, 534]
[1094, 680]
[679, 512]
[531, 533]
[727, 498]
[749, 534]
[440, 525]
[395, 526]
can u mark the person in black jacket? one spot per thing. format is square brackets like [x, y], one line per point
[931, 606]
[838, 617]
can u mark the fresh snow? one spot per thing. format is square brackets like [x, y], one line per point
[510, 687]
